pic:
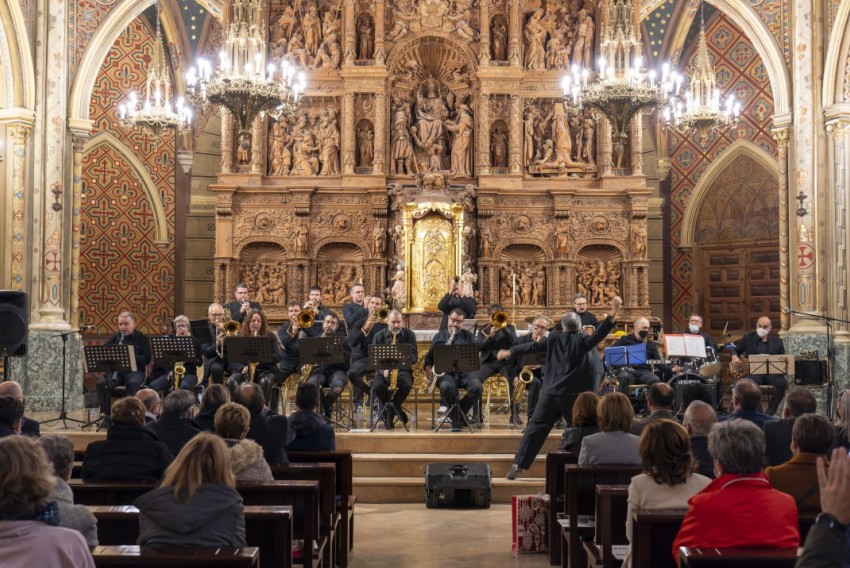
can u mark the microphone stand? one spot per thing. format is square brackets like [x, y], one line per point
[830, 354]
[63, 414]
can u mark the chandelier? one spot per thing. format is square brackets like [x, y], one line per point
[702, 109]
[621, 88]
[243, 83]
[156, 113]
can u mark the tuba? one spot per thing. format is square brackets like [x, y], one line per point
[499, 320]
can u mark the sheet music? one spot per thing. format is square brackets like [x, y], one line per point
[684, 345]
[619, 551]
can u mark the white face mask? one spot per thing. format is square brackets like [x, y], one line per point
[762, 332]
[694, 328]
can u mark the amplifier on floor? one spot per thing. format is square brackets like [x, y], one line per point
[811, 373]
[458, 485]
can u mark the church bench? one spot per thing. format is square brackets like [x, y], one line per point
[609, 526]
[302, 496]
[267, 528]
[737, 557]
[144, 557]
[555, 462]
[652, 537]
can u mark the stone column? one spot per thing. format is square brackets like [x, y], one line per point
[380, 159]
[483, 125]
[605, 145]
[258, 154]
[837, 179]
[781, 136]
[348, 134]
[226, 141]
[79, 141]
[484, 32]
[515, 135]
[637, 145]
[379, 32]
[349, 38]
[20, 134]
[515, 46]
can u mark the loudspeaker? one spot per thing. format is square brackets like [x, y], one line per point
[458, 485]
[810, 372]
[699, 390]
[14, 317]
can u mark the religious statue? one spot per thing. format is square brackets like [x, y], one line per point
[528, 135]
[430, 113]
[280, 156]
[535, 36]
[398, 291]
[461, 129]
[484, 242]
[588, 136]
[403, 14]
[583, 48]
[243, 150]
[467, 281]
[562, 241]
[561, 136]
[301, 240]
[638, 242]
[365, 38]
[499, 40]
[499, 148]
[365, 145]
[378, 240]
[401, 152]
[312, 27]
[329, 143]
[304, 160]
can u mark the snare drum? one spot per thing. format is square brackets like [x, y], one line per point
[685, 379]
[682, 381]
[710, 366]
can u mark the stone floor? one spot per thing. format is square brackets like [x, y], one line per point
[414, 536]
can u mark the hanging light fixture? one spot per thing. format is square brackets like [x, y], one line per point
[702, 109]
[620, 88]
[156, 113]
[243, 83]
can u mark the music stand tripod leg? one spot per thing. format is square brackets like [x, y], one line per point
[456, 406]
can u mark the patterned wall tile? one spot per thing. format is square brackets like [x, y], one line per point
[776, 15]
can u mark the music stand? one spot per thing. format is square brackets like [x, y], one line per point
[624, 356]
[109, 360]
[248, 349]
[770, 364]
[390, 357]
[201, 330]
[321, 351]
[169, 349]
[457, 359]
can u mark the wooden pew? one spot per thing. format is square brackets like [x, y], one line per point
[144, 557]
[302, 496]
[580, 499]
[609, 526]
[269, 529]
[343, 460]
[737, 557]
[652, 537]
[555, 462]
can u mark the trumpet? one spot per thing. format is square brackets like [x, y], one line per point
[382, 314]
[526, 375]
[499, 320]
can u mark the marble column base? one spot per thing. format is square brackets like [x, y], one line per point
[40, 372]
[800, 342]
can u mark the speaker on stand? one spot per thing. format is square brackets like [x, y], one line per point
[14, 329]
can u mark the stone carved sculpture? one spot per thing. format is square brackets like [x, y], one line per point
[398, 290]
[365, 145]
[499, 40]
[280, 150]
[484, 242]
[365, 38]
[379, 240]
[499, 146]
[461, 129]
[535, 38]
[638, 242]
[335, 280]
[598, 280]
[401, 152]
[308, 144]
[468, 278]
[329, 143]
[301, 239]
[267, 280]
[530, 281]
[556, 144]
[305, 36]
[403, 15]
[583, 48]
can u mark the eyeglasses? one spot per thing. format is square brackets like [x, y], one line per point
[536, 326]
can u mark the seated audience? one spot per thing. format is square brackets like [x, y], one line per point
[11, 413]
[660, 403]
[29, 535]
[268, 429]
[812, 437]
[246, 456]
[698, 420]
[153, 406]
[214, 397]
[746, 404]
[197, 504]
[777, 433]
[842, 427]
[312, 431]
[827, 542]
[584, 422]
[669, 477]
[693, 393]
[614, 445]
[29, 426]
[175, 426]
[60, 453]
[739, 508]
[130, 451]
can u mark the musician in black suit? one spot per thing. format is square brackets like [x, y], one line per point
[454, 300]
[490, 342]
[214, 363]
[360, 335]
[333, 375]
[539, 332]
[449, 382]
[398, 334]
[265, 374]
[127, 335]
[290, 335]
[640, 374]
[356, 308]
[761, 342]
[239, 307]
[164, 373]
[580, 307]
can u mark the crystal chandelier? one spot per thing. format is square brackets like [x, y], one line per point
[156, 113]
[243, 84]
[702, 109]
[621, 88]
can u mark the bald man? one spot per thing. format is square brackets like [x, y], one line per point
[762, 342]
[639, 374]
[13, 389]
[659, 402]
[698, 419]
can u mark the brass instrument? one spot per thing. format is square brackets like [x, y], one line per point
[435, 376]
[740, 370]
[179, 373]
[526, 375]
[382, 314]
[252, 366]
[230, 328]
[303, 321]
[394, 372]
[499, 320]
[307, 369]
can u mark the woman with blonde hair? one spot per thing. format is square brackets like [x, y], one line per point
[232, 422]
[614, 445]
[29, 531]
[196, 505]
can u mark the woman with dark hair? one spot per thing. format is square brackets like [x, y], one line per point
[614, 445]
[584, 422]
[265, 374]
[29, 531]
[214, 397]
[669, 477]
[196, 505]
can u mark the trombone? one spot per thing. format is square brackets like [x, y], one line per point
[230, 328]
[499, 320]
[304, 321]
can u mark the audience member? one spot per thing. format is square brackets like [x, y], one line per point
[693, 393]
[812, 437]
[312, 431]
[11, 413]
[197, 504]
[746, 404]
[130, 451]
[614, 445]
[827, 542]
[270, 430]
[28, 426]
[669, 477]
[660, 403]
[29, 535]
[739, 508]
[175, 426]
[214, 397]
[842, 428]
[153, 406]
[698, 420]
[60, 452]
[777, 433]
[584, 422]
[246, 456]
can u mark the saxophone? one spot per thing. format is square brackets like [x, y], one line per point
[394, 372]
[307, 370]
[179, 373]
[435, 376]
[525, 376]
[252, 367]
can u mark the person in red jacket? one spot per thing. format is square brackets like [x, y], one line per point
[739, 508]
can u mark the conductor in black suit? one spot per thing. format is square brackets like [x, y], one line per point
[567, 373]
[239, 307]
[761, 342]
[453, 300]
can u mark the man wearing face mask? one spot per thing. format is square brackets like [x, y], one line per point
[761, 342]
[695, 328]
[640, 374]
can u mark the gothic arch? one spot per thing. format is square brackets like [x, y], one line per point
[107, 139]
[739, 147]
[16, 59]
[319, 244]
[260, 239]
[837, 53]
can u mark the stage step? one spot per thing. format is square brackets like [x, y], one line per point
[412, 489]
[413, 465]
[429, 442]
